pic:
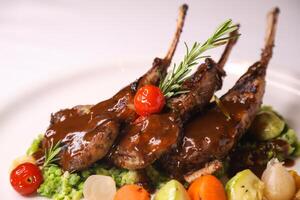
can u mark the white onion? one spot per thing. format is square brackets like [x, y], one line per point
[21, 160]
[297, 196]
[98, 187]
[279, 184]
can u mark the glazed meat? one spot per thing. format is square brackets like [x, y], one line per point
[212, 135]
[88, 132]
[145, 141]
[188, 104]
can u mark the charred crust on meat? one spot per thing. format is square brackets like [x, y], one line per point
[210, 63]
[134, 85]
[157, 62]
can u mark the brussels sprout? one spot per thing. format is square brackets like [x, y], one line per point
[266, 125]
[172, 190]
[245, 186]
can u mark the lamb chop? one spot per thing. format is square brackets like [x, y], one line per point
[211, 135]
[87, 132]
[145, 141]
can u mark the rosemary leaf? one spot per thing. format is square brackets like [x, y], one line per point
[51, 154]
[171, 84]
[222, 107]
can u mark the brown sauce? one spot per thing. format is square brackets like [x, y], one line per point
[39, 156]
[76, 127]
[121, 105]
[147, 138]
[74, 131]
[289, 162]
[212, 134]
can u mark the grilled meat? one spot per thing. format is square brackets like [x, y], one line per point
[88, 132]
[201, 87]
[193, 102]
[212, 135]
[143, 142]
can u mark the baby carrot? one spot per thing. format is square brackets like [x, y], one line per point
[132, 192]
[207, 187]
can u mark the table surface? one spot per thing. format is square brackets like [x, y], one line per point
[45, 40]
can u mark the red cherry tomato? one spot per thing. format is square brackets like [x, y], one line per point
[26, 178]
[149, 99]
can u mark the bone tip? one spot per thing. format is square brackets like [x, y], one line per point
[274, 12]
[236, 32]
[184, 8]
[272, 18]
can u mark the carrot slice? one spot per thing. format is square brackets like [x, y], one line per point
[207, 187]
[132, 192]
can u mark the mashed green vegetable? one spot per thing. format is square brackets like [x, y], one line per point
[35, 145]
[121, 176]
[61, 185]
[290, 136]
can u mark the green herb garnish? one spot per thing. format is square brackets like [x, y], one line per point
[171, 84]
[51, 154]
[222, 107]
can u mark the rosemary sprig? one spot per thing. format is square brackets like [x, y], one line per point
[171, 84]
[221, 107]
[51, 154]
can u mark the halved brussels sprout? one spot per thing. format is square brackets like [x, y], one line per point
[266, 125]
[172, 190]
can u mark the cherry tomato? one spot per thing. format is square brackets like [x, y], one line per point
[26, 178]
[148, 100]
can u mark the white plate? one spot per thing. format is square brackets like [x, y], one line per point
[29, 115]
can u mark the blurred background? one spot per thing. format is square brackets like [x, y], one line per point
[45, 40]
